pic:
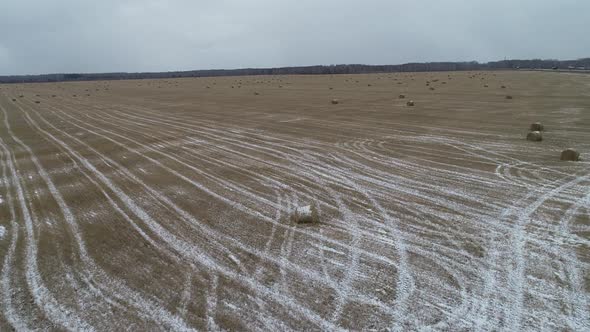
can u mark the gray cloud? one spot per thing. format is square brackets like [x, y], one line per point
[156, 35]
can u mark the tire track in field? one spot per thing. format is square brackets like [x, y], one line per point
[41, 295]
[187, 249]
[8, 307]
[284, 255]
[235, 205]
[93, 272]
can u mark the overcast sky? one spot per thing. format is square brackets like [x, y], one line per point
[48, 36]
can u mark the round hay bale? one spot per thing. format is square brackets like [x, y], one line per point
[37, 102]
[410, 103]
[402, 96]
[508, 97]
[256, 93]
[537, 126]
[431, 88]
[305, 214]
[335, 101]
[534, 136]
[21, 96]
[503, 87]
[13, 99]
[485, 85]
[570, 155]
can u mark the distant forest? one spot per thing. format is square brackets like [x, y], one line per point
[580, 64]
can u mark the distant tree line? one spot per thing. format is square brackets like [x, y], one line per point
[580, 64]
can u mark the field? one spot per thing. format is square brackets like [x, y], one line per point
[164, 204]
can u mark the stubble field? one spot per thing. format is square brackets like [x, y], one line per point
[164, 204]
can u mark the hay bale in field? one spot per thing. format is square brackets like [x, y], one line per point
[335, 101]
[37, 102]
[508, 97]
[21, 96]
[13, 99]
[256, 93]
[570, 155]
[537, 126]
[53, 96]
[534, 136]
[402, 96]
[485, 85]
[431, 88]
[503, 87]
[410, 103]
[305, 214]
